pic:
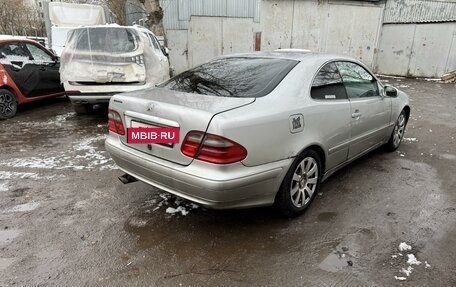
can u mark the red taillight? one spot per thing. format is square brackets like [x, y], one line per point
[212, 148]
[115, 123]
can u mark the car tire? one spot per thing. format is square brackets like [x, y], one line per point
[300, 184]
[83, 109]
[8, 104]
[398, 132]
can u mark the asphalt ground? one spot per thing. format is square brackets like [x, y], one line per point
[66, 220]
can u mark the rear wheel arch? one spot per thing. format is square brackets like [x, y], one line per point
[301, 182]
[321, 153]
[9, 88]
[407, 112]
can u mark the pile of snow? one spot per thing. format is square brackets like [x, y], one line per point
[411, 260]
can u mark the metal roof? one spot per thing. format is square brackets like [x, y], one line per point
[177, 13]
[419, 11]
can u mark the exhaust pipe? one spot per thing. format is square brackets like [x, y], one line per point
[126, 178]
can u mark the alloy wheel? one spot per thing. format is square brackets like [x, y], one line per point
[304, 182]
[399, 130]
[7, 104]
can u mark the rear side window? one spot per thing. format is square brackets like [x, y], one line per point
[328, 84]
[103, 39]
[233, 77]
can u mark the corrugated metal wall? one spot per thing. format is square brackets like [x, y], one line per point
[402, 37]
[418, 38]
[178, 12]
[419, 11]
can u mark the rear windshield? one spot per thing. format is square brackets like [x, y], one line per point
[233, 77]
[103, 39]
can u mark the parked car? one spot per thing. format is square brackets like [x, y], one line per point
[28, 72]
[257, 129]
[99, 61]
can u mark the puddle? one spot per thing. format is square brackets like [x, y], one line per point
[7, 235]
[448, 156]
[326, 216]
[334, 262]
[24, 207]
[6, 262]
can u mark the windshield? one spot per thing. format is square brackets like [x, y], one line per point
[233, 77]
[103, 39]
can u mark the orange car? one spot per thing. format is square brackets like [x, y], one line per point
[28, 72]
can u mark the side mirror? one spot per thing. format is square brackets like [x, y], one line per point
[390, 91]
[166, 51]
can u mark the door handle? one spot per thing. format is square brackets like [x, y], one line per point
[42, 69]
[356, 114]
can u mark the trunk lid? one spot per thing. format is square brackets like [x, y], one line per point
[166, 108]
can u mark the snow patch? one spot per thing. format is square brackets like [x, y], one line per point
[4, 186]
[407, 271]
[400, 278]
[404, 246]
[175, 204]
[83, 155]
[412, 260]
[410, 139]
[433, 79]
[180, 209]
[24, 207]
[26, 175]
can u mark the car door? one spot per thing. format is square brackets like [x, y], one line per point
[48, 67]
[17, 61]
[370, 110]
[333, 116]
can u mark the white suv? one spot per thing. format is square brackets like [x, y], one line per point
[99, 61]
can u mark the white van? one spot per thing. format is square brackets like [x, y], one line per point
[99, 61]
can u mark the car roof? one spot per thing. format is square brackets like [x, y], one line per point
[9, 38]
[294, 54]
[135, 27]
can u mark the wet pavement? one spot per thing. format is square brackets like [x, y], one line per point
[66, 220]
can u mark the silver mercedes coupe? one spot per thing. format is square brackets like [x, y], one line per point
[257, 129]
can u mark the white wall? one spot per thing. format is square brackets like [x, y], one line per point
[207, 38]
[322, 26]
[420, 50]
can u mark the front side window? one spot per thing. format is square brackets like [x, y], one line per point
[233, 77]
[13, 50]
[358, 82]
[328, 85]
[38, 54]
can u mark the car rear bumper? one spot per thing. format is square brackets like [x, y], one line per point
[96, 94]
[101, 98]
[218, 187]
